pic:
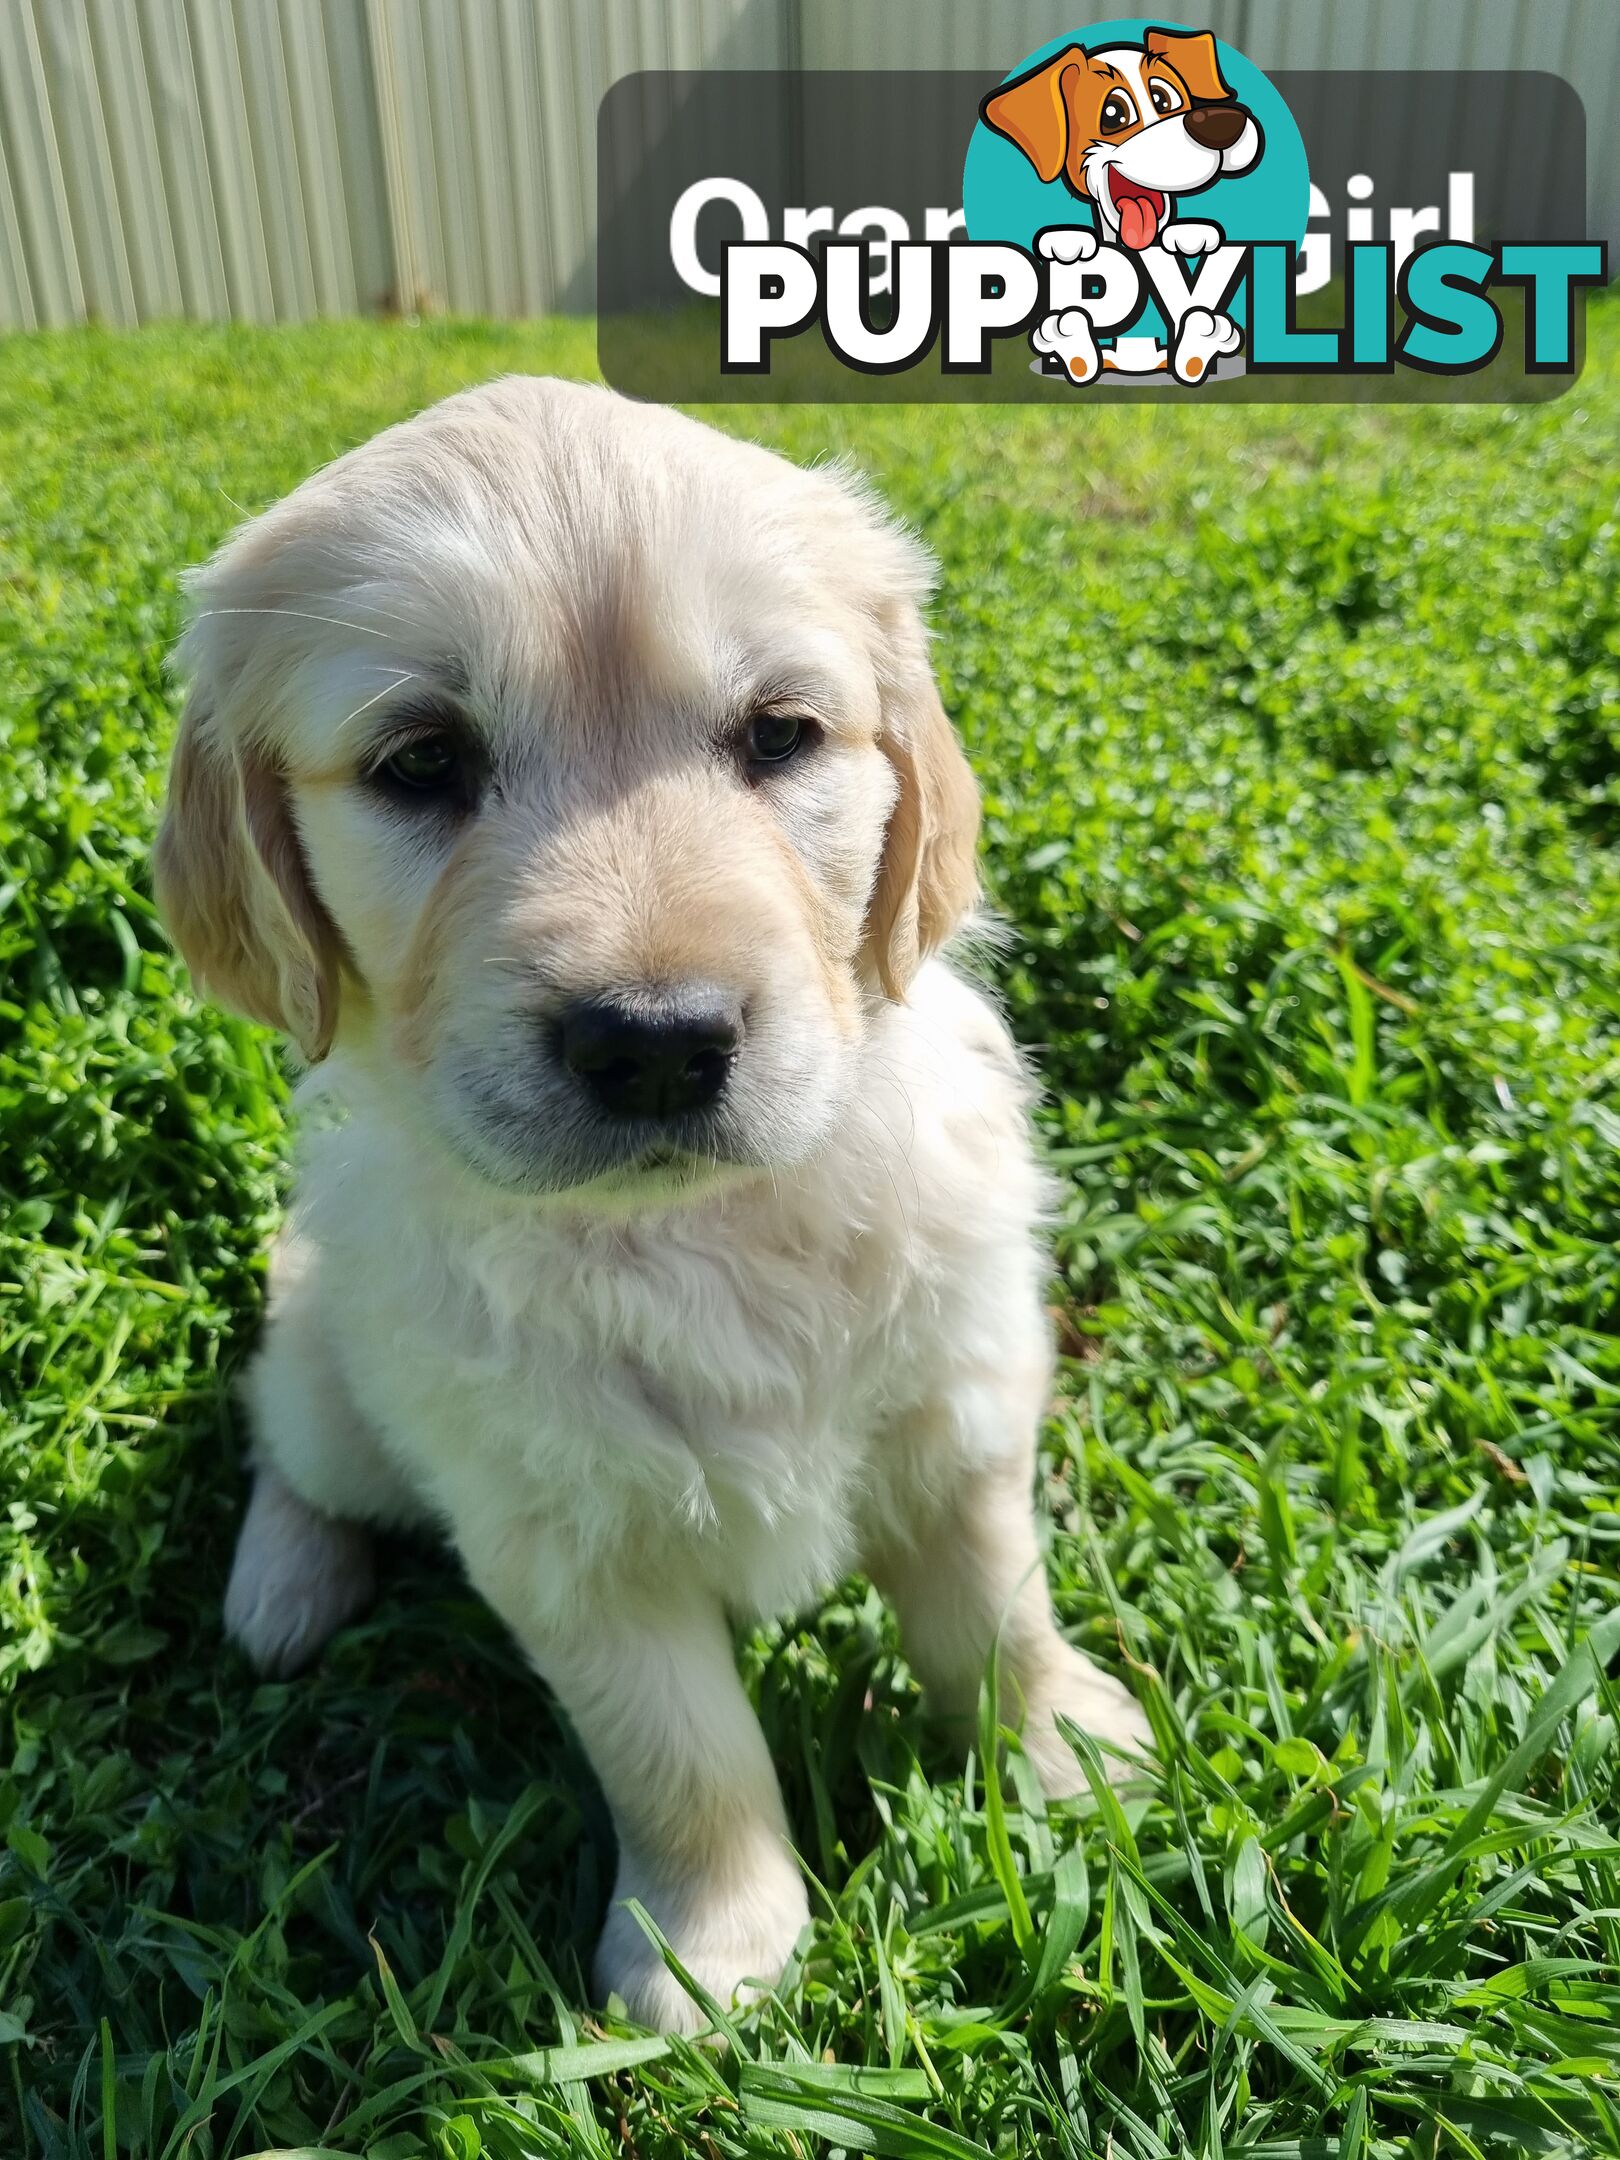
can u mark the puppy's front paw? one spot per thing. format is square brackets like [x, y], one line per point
[1100, 1705]
[733, 1937]
[298, 1576]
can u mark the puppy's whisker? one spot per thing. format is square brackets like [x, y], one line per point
[378, 607]
[904, 1153]
[883, 1067]
[333, 622]
[402, 675]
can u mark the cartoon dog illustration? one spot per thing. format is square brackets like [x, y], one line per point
[1129, 129]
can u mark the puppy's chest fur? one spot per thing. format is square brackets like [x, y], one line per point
[722, 1377]
[689, 1380]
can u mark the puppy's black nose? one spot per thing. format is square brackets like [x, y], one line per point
[1216, 127]
[652, 1053]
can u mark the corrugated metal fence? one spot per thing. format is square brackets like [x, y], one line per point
[274, 159]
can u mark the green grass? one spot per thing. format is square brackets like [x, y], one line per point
[1300, 738]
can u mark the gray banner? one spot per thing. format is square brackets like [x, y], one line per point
[1497, 157]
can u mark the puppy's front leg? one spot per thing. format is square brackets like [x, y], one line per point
[964, 1571]
[650, 1683]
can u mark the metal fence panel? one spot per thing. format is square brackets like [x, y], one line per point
[28, 124]
[275, 159]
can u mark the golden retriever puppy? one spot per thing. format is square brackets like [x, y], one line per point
[569, 781]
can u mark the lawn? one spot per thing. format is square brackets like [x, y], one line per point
[1300, 739]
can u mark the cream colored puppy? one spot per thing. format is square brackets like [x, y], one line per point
[569, 781]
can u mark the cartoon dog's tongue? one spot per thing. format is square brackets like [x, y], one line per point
[1140, 209]
[1138, 221]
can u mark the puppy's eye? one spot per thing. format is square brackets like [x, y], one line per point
[431, 769]
[773, 738]
[1118, 112]
[1164, 98]
[431, 764]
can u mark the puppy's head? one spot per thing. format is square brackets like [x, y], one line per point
[1129, 127]
[580, 772]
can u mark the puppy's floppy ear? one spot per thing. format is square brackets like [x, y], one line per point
[1192, 54]
[927, 879]
[233, 888]
[1033, 112]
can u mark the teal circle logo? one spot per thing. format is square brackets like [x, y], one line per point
[1106, 150]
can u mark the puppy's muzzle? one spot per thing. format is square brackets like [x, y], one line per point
[652, 1054]
[1216, 127]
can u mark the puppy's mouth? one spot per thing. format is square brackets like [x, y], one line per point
[1141, 209]
[546, 1148]
[683, 1151]
[667, 1159]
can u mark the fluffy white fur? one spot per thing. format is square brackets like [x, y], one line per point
[646, 1394]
